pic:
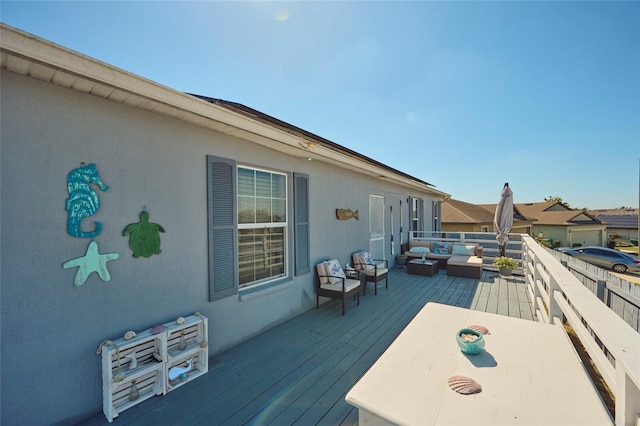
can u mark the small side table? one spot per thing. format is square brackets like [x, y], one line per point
[428, 268]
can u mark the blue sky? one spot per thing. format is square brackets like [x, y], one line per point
[464, 95]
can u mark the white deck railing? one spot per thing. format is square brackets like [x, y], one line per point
[557, 295]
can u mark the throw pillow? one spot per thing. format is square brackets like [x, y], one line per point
[441, 248]
[420, 250]
[366, 258]
[466, 250]
[364, 261]
[335, 271]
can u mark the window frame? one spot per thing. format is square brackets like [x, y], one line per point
[222, 221]
[258, 225]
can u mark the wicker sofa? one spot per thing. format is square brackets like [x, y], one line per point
[459, 259]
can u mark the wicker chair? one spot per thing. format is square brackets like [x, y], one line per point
[375, 270]
[332, 282]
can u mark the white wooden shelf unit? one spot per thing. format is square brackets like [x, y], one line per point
[155, 355]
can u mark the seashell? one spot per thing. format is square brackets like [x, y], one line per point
[133, 360]
[464, 385]
[129, 335]
[180, 320]
[158, 329]
[479, 328]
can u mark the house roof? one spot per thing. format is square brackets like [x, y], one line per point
[517, 214]
[625, 218]
[623, 211]
[556, 213]
[32, 56]
[456, 211]
[629, 221]
[257, 115]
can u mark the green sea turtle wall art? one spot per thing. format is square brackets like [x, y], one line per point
[144, 236]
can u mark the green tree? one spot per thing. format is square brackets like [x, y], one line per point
[557, 199]
[554, 198]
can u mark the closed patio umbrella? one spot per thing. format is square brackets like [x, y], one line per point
[503, 219]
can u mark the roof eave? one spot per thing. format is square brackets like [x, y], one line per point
[29, 55]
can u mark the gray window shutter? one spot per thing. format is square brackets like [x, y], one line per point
[437, 219]
[301, 223]
[222, 222]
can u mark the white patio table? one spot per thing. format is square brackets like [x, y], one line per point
[529, 372]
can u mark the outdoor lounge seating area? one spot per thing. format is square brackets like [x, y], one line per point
[459, 259]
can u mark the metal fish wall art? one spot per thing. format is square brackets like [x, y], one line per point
[346, 214]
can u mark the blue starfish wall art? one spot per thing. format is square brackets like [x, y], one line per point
[83, 200]
[91, 262]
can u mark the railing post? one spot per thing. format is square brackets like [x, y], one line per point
[555, 311]
[627, 399]
[600, 288]
[534, 286]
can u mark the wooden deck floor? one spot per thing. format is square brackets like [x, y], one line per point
[300, 371]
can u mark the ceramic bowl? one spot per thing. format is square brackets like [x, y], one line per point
[471, 348]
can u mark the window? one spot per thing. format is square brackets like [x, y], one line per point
[262, 225]
[417, 208]
[248, 226]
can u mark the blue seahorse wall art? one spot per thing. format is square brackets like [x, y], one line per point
[83, 201]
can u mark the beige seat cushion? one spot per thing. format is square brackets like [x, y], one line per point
[381, 271]
[349, 285]
[322, 273]
[458, 260]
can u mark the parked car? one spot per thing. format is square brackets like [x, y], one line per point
[604, 257]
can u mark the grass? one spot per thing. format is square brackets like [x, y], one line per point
[628, 249]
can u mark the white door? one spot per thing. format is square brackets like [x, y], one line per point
[376, 226]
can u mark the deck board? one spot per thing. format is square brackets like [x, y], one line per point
[300, 371]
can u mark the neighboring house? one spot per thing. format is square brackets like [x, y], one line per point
[244, 205]
[623, 222]
[458, 216]
[559, 226]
